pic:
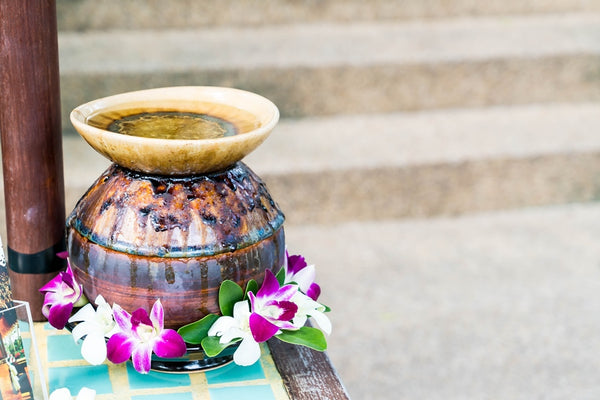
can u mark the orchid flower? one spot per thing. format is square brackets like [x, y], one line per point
[141, 335]
[65, 394]
[296, 270]
[272, 308]
[95, 325]
[62, 294]
[307, 307]
[230, 329]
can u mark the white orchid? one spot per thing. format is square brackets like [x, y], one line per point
[229, 329]
[307, 307]
[65, 394]
[95, 325]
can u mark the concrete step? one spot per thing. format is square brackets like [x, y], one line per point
[374, 167]
[326, 69]
[155, 14]
[500, 305]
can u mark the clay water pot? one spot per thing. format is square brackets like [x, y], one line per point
[172, 218]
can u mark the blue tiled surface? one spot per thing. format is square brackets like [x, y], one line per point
[65, 367]
[155, 379]
[171, 396]
[63, 347]
[232, 373]
[92, 376]
[262, 392]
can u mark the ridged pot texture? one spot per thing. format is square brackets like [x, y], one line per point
[135, 238]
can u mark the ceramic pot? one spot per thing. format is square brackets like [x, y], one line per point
[173, 218]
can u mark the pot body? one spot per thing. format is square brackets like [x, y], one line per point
[135, 238]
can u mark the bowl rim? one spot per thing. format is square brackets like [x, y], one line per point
[80, 115]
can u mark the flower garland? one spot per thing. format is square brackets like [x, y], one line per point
[249, 316]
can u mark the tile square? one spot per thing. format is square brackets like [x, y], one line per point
[23, 326]
[234, 373]
[93, 376]
[155, 379]
[63, 347]
[170, 396]
[259, 392]
[27, 348]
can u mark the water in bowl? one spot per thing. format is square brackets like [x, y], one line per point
[209, 122]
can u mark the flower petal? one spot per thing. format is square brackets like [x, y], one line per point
[122, 318]
[261, 329]
[83, 329]
[269, 287]
[323, 321]
[93, 348]
[221, 325]
[60, 394]
[157, 315]
[59, 314]
[140, 316]
[119, 347]
[314, 291]
[288, 310]
[231, 334]
[100, 300]
[169, 345]
[247, 353]
[285, 293]
[86, 313]
[53, 298]
[305, 277]
[141, 357]
[86, 394]
[241, 310]
[53, 285]
[295, 263]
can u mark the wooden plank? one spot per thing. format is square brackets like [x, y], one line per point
[30, 128]
[307, 374]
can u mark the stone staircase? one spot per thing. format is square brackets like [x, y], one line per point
[391, 111]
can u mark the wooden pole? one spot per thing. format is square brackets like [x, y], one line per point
[30, 130]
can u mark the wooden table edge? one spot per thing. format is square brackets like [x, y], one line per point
[306, 373]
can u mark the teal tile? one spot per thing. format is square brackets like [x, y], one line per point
[235, 373]
[23, 326]
[170, 396]
[27, 347]
[63, 347]
[49, 327]
[155, 379]
[91, 376]
[260, 392]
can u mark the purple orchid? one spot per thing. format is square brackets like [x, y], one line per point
[296, 270]
[141, 335]
[61, 294]
[272, 308]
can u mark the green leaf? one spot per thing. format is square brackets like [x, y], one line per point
[281, 276]
[196, 331]
[251, 286]
[305, 336]
[212, 347]
[229, 294]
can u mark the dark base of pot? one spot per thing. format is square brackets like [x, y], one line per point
[193, 361]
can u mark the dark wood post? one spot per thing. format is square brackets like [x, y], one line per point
[30, 129]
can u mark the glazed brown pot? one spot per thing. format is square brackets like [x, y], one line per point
[148, 233]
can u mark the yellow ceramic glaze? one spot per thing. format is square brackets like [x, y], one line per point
[179, 156]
